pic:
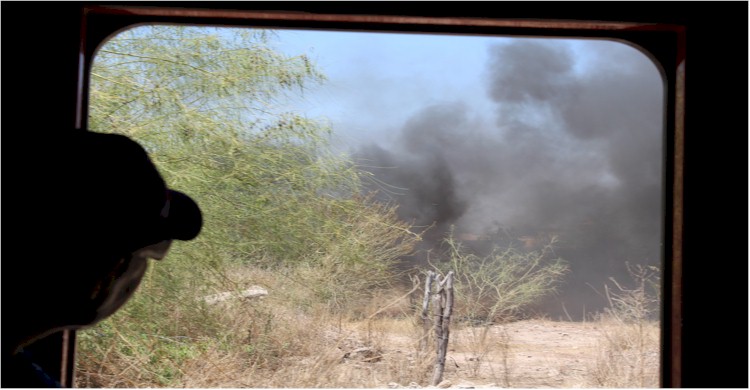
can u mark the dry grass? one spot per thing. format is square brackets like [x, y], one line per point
[282, 341]
[335, 355]
[627, 355]
[312, 351]
[485, 352]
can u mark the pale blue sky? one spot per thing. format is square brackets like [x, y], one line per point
[378, 80]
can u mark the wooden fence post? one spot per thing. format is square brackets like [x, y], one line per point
[442, 310]
[426, 325]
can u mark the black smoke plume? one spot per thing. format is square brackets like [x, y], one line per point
[571, 151]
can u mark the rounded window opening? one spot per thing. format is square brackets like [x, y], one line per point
[338, 168]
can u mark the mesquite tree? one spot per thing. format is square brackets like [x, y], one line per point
[211, 106]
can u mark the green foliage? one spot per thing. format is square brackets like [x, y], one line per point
[498, 286]
[206, 103]
[209, 106]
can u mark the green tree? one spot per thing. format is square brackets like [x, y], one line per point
[210, 106]
[207, 105]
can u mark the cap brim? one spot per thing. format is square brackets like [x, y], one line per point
[185, 220]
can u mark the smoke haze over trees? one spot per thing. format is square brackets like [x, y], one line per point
[572, 150]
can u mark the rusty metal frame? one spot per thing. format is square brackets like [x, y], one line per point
[664, 43]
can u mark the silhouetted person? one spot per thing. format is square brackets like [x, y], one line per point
[100, 211]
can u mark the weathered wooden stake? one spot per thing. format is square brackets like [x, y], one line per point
[442, 310]
[426, 325]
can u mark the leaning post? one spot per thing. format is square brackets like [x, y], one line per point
[425, 310]
[443, 308]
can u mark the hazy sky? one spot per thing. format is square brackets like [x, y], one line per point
[530, 136]
[377, 81]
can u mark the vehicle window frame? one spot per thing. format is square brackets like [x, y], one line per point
[663, 43]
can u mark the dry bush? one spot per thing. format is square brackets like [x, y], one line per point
[499, 286]
[628, 354]
[288, 340]
[275, 341]
[328, 357]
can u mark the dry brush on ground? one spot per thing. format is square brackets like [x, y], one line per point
[267, 344]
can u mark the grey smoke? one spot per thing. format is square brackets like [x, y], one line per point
[570, 151]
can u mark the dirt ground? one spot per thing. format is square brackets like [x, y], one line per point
[543, 354]
[529, 354]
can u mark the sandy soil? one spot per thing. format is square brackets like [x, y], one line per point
[525, 354]
[540, 354]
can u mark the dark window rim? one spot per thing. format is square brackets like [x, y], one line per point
[664, 43]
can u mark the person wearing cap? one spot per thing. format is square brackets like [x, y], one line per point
[104, 213]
